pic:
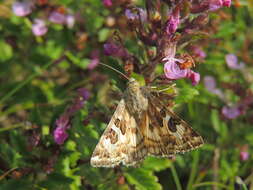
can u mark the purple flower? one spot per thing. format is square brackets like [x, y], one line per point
[22, 8]
[107, 3]
[199, 52]
[226, 3]
[83, 93]
[215, 4]
[111, 49]
[173, 22]
[210, 83]
[70, 21]
[39, 27]
[232, 62]
[62, 124]
[231, 112]
[172, 70]
[135, 15]
[244, 155]
[194, 77]
[94, 59]
[63, 121]
[60, 135]
[57, 17]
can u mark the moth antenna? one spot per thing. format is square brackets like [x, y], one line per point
[108, 66]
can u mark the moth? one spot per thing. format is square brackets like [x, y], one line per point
[143, 125]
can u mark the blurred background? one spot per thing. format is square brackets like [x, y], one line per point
[56, 100]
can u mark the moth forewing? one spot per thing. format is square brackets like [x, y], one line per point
[142, 124]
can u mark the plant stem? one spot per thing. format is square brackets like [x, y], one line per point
[210, 184]
[193, 170]
[175, 177]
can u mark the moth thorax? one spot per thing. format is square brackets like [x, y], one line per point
[136, 100]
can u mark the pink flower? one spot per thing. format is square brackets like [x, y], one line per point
[226, 3]
[62, 124]
[107, 3]
[172, 70]
[57, 17]
[210, 83]
[22, 8]
[244, 155]
[199, 52]
[231, 112]
[39, 27]
[232, 62]
[60, 135]
[112, 49]
[194, 77]
[173, 22]
[70, 21]
[94, 60]
[215, 4]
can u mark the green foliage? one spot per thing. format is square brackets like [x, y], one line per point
[40, 76]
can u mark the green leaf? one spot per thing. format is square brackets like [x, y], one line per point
[143, 179]
[186, 94]
[20, 184]
[103, 34]
[156, 164]
[56, 181]
[6, 51]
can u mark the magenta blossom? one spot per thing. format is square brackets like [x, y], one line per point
[39, 27]
[226, 3]
[95, 59]
[60, 135]
[62, 124]
[215, 4]
[198, 52]
[107, 3]
[232, 62]
[22, 8]
[173, 71]
[112, 49]
[231, 112]
[57, 18]
[194, 77]
[244, 155]
[173, 22]
[83, 95]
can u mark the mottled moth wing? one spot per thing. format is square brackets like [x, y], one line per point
[166, 133]
[121, 142]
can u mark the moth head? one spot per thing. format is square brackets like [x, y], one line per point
[133, 83]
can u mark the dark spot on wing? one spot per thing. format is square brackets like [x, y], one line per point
[113, 136]
[163, 112]
[118, 123]
[172, 124]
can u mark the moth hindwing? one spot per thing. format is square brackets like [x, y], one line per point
[142, 125]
